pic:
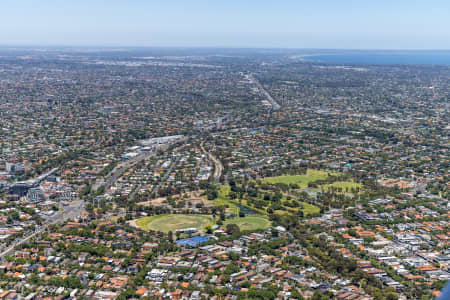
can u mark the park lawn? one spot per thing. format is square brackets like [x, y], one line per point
[250, 222]
[301, 180]
[282, 212]
[166, 223]
[223, 199]
[244, 202]
[308, 209]
[343, 185]
[224, 190]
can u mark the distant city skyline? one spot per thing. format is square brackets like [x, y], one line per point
[347, 24]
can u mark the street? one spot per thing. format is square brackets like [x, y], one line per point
[70, 212]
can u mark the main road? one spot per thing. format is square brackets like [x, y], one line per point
[218, 167]
[70, 212]
[253, 80]
[122, 167]
[74, 209]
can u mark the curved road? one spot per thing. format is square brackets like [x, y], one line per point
[218, 167]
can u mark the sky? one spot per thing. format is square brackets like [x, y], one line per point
[335, 24]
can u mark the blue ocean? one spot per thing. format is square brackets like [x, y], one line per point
[431, 58]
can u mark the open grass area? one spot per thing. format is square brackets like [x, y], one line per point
[301, 180]
[346, 186]
[223, 199]
[309, 209]
[166, 223]
[250, 222]
[288, 201]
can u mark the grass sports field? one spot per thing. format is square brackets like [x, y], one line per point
[250, 222]
[301, 180]
[166, 223]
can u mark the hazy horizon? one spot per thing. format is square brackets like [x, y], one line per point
[129, 47]
[326, 24]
